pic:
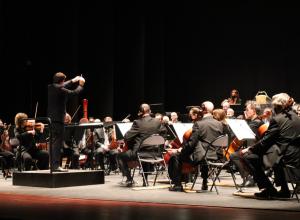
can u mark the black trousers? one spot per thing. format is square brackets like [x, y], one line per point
[255, 163]
[175, 168]
[57, 130]
[41, 156]
[7, 160]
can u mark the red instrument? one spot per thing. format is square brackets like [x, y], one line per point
[5, 144]
[175, 144]
[234, 146]
[85, 111]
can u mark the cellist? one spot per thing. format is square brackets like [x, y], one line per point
[255, 123]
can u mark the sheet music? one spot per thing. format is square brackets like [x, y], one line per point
[181, 128]
[241, 129]
[124, 127]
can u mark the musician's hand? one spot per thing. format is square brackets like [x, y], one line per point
[244, 151]
[76, 79]
[81, 81]
[31, 132]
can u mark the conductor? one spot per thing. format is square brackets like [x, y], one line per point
[58, 93]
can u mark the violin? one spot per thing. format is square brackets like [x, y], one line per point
[31, 124]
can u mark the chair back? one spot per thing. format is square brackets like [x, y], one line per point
[152, 140]
[221, 141]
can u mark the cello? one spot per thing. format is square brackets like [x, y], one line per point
[236, 143]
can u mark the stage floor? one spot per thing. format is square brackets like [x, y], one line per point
[113, 196]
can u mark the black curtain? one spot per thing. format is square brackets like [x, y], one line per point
[176, 54]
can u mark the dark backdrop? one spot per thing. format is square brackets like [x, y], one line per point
[155, 52]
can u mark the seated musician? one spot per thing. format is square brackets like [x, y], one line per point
[254, 122]
[174, 118]
[106, 145]
[5, 150]
[283, 128]
[205, 129]
[234, 98]
[87, 145]
[141, 128]
[195, 114]
[28, 137]
[70, 149]
[110, 140]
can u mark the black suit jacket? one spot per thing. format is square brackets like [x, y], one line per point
[283, 128]
[140, 129]
[203, 132]
[57, 99]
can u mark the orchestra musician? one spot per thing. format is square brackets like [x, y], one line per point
[28, 136]
[251, 115]
[111, 141]
[70, 149]
[174, 118]
[5, 150]
[141, 128]
[58, 92]
[283, 128]
[106, 145]
[234, 98]
[205, 129]
[195, 114]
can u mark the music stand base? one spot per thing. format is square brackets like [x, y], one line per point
[43, 178]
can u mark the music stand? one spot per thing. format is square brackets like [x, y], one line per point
[181, 128]
[241, 129]
[121, 129]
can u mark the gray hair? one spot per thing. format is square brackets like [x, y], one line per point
[281, 99]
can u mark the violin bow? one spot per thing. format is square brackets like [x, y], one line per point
[75, 112]
[36, 108]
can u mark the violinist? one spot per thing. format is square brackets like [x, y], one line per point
[28, 137]
[58, 93]
[205, 129]
[254, 122]
[5, 151]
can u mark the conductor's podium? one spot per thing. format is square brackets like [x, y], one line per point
[43, 178]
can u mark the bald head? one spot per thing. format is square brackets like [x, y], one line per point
[209, 106]
[144, 109]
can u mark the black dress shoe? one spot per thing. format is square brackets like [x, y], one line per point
[204, 185]
[266, 194]
[176, 189]
[284, 194]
